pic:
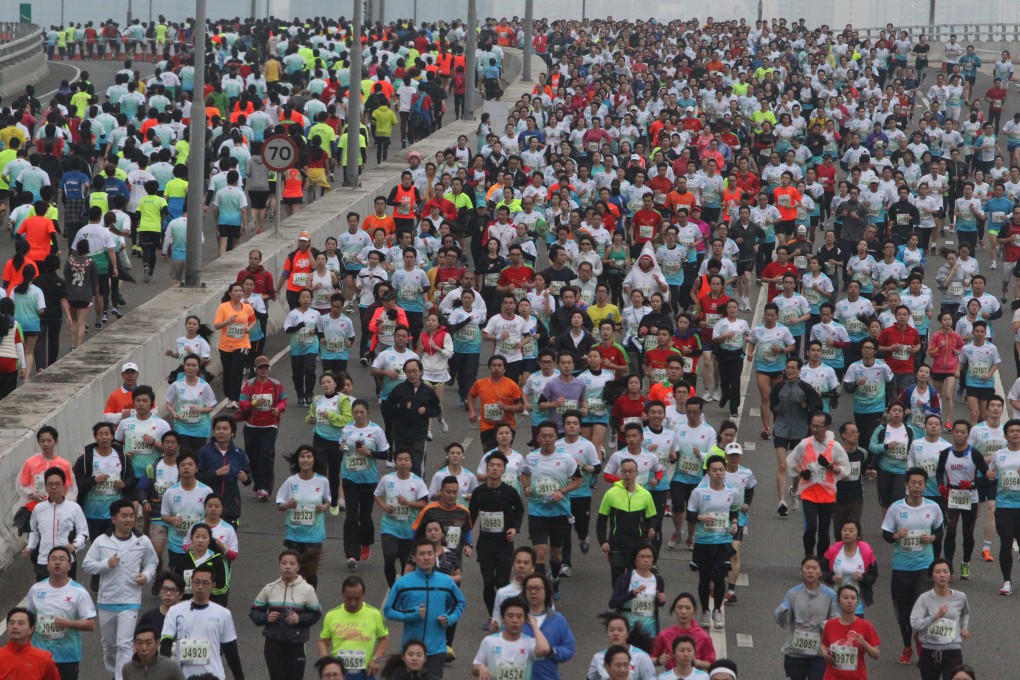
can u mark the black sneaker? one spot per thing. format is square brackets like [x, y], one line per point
[783, 511]
[364, 361]
[99, 325]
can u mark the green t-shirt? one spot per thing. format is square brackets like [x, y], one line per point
[353, 637]
[150, 213]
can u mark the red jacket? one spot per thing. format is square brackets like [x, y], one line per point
[264, 284]
[26, 662]
[262, 416]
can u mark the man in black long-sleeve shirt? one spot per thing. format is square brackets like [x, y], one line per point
[413, 404]
[497, 510]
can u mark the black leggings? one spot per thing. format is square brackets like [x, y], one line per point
[711, 579]
[969, 519]
[817, 522]
[939, 664]
[328, 455]
[731, 368]
[906, 587]
[233, 372]
[285, 660]
[395, 550]
[47, 345]
[1007, 525]
[359, 531]
[495, 557]
[302, 370]
[580, 508]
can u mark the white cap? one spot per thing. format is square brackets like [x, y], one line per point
[129, 366]
[734, 448]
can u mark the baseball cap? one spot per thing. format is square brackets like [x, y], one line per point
[129, 366]
[690, 108]
[261, 361]
[635, 157]
[735, 449]
[801, 229]
[304, 236]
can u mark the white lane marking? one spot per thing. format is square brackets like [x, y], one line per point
[49, 95]
[719, 641]
[744, 640]
[466, 444]
[742, 579]
[750, 446]
[754, 412]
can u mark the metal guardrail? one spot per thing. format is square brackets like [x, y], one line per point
[25, 40]
[964, 32]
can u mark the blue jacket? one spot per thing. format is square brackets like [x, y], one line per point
[441, 597]
[557, 631]
[209, 460]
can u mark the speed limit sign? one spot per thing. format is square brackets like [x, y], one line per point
[279, 153]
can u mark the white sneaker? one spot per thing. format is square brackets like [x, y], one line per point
[718, 620]
[706, 619]
[718, 393]
[993, 265]
[794, 499]
[709, 395]
[443, 425]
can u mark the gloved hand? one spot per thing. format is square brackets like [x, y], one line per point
[944, 491]
[805, 475]
[391, 314]
[824, 462]
[966, 485]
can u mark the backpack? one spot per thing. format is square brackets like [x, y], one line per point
[421, 110]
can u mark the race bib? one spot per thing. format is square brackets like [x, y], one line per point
[869, 389]
[650, 342]
[717, 523]
[711, 320]
[855, 471]
[356, 463]
[671, 268]
[336, 344]
[354, 659]
[236, 330]
[854, 326]
[920, 318]
[490, 280]
[188, 414]
[955, 288]
[689, 465]
[901, 354]
[596, 407]
[903, 219]
[912, 541]
[1009, 480]
[194, 652]
[492, 413]
[468, 333]
[302, 515]
[942, 631]
[812, 296]
[828, 353]
[546, 487]
[320, 298]
[108, 487]
[519, 293]
[844, 657]
[800, 261]
[453, 537]
[322, 416]
[299, 279]
[807, 642]
[896, 450]
[262, 402]
[511, 672]
[39, 483]
[46, 628]
[491, 522]
[646, 231]
[401, 513]
[688, 365]
[643, 605]
[568, 405]
[659, 375]
[508, 347]
[959, 499]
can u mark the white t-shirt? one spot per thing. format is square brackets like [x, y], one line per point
[199, 633]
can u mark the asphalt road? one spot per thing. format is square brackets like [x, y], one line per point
[771, 551]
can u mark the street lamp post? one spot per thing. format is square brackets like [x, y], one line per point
[196, 158]
[354, 102]
[469, 61]
[529, 27]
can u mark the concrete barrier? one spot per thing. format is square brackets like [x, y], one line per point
[22, 62]
[70, 394]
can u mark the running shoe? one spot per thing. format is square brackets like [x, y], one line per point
[783, 510]
[352, 563]
[1006, 589]
[366, 552]
[673, 540]
[718, 619]
[342, 504]
[794, 498]
[689, 544]
[993, 265]
[906, 656]
[706, 620]
[443, 425]
[986, 555]
[965, 571]
[585, 547]
[451, 656]
[566, 571]
[116, 312]
[363, 361]
[766, 433]
[262, 496]
[731, 598]
[334, 510]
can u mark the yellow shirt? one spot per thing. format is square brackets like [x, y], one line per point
[271, 71]
[384, 120]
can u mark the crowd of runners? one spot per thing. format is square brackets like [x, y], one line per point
[676, 208]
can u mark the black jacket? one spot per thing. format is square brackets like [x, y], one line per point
[404, 402]
[83, 473]
[504, 498]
